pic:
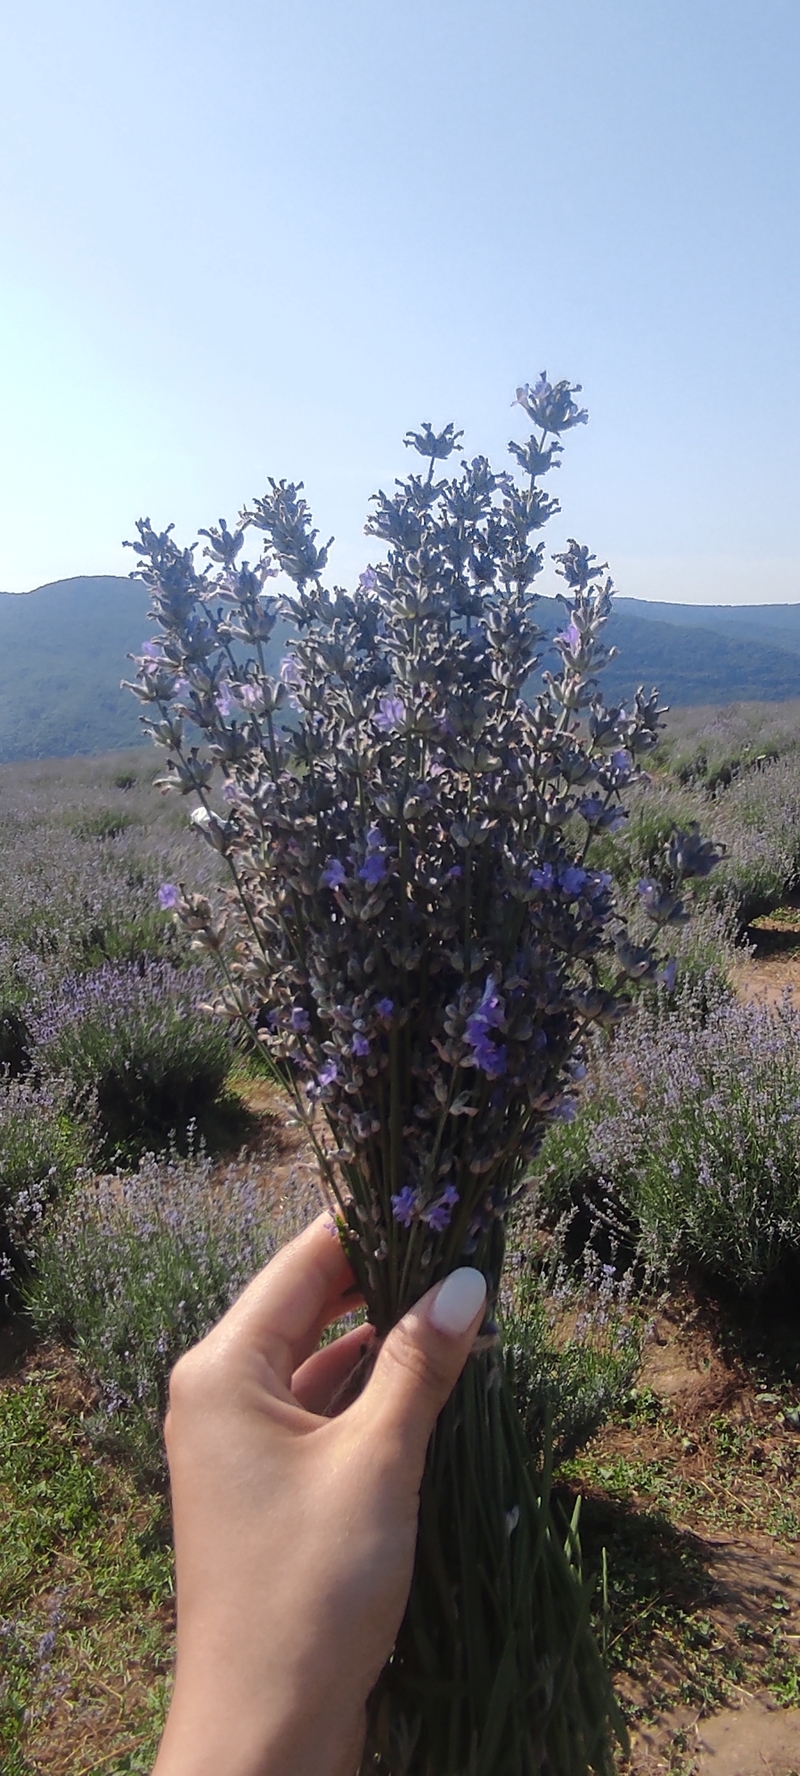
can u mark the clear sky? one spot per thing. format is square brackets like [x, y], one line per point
[251, 238]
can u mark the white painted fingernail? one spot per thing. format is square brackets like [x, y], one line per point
[458, 1301]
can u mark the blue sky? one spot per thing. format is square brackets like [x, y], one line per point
[254, 238]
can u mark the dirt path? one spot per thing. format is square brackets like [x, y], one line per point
[742, 1597]
[774, 967]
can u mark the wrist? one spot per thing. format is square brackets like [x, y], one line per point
[293, 1732]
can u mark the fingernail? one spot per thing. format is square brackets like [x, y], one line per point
[457, 1301]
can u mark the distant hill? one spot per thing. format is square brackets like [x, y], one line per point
[64, 648]
[63, 652]
[777, 625]
[704, 660]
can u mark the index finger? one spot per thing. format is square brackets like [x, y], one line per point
[305, 1286]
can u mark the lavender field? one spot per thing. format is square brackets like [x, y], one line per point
[148, 1165]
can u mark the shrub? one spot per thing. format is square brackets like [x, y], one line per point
[138, 1268]
[689, 1131]
[138, 1041]
[41, 1148]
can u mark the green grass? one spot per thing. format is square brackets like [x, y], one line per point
[85, 1590]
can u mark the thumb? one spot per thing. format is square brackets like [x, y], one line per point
[420, 1362]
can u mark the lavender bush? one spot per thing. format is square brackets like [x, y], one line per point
[756, 821]
[690, 1128]
[41, 1149]
[416, 936]
[713, 747]
[137, 1267]
[573, 1340]
[137, 1039]
[761, 822]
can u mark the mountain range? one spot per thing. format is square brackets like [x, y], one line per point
[64, 648]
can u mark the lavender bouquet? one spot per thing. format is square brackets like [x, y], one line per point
[415, 935]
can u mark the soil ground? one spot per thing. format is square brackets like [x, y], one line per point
[774, 966]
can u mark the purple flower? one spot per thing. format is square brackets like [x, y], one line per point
[151, 651]
[391, 711]
[569, 639]
[385, 1007]
[374, 870]
[360, 1044]
[454, 874]
[249, 695]
[488, 1014]
[598, 883]
[490, 1057]
[299, 1019]
[223, 701]
[544, 877]
[666, 976]
[404, 1206]
[368, 580]
[328, 1073]
[621, 764]
[440, 1213]
[374, 838]
[168, 897]
[650, 895]
[333, 874]
[572, 881]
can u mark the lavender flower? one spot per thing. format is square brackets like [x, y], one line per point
[390, 713]
[333, 875]
[374, 869]
[463, 863]
[404, 1206]
[440, 1213]
[168, 897]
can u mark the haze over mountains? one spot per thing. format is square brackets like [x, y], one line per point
[64, 647]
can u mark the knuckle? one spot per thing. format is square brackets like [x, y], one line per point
[185, 1382]
[405, 1351]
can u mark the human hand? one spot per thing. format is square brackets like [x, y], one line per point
[295, 1532]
